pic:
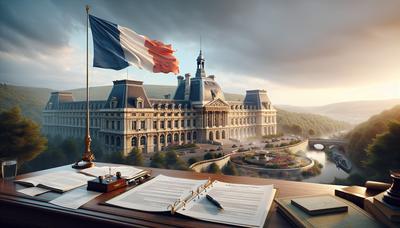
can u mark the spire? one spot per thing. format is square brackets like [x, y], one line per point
[200, 66]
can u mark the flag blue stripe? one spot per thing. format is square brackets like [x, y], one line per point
[108, 52]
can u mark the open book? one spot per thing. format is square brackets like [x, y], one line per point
[61, 181]
[244, 205]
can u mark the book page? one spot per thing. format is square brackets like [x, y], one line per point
[156, 194]
[244, 205]
[64, 181]
[127, 172]
[33, 191]
[58, 181]
[75, 198]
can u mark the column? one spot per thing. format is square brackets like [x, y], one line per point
[149, 144]
[158, 142]
[209, 119]
[206, 119]
[213, 119]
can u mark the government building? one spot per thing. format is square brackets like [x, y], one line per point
[197, 113]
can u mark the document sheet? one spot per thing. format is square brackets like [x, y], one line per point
[127, 172]
[157, 194]
[244, 205]
[33, 191]
[75, 198]
[58, 181]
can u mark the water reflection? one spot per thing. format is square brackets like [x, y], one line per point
[328, 172]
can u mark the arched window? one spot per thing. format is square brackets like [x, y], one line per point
[194, 135]
[182, 136]
[223, 134]
[176, 137]
[217, 135]
[118, 141]
[143, 140]
[134, 141]
[162, 139]
[155, 139]
[112, 140]
[189, 136]
[169, 138]
[211, 136]
[107, 139]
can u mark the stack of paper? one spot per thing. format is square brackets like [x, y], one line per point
[127, 172]
[75, 198]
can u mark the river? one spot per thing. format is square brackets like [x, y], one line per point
[328, 172]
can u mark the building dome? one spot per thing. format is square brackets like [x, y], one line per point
[205, 89]
[211, 89]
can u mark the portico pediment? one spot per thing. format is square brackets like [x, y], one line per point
[216, 105]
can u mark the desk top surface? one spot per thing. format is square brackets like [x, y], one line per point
[94, 208]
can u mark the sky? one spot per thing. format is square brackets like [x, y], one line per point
[303, 52]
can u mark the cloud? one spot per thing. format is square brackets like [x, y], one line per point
[306, 44]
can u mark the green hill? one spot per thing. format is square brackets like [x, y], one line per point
[32, 100]
[353, 112]
[363, 134]
[302, 123]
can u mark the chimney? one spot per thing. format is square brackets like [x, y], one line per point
[187, 86]
[180, 79]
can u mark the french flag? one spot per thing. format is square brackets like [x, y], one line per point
[116, 47]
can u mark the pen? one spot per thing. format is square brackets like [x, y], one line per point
[213, 201]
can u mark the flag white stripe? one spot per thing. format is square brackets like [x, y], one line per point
[134, 50]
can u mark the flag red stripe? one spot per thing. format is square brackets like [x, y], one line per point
[163, 58]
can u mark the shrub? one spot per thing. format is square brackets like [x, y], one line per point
[192, 160]
[214, 169]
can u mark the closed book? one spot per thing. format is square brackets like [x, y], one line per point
[390, 211]
[317, 205]
[354, 217]
[373, 210]
[356, 194]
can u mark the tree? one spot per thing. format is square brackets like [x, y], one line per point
[208, 156]
[71, 150]
[135, 157]
[20, 137]
[230, 169]
[192, 160]
[115, 157]
[157, 160]
[296, 129]
[384, 153]
[172, 161]
[214, 168]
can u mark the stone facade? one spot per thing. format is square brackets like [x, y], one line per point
[198, 112]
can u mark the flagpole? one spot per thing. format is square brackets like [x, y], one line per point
[88, 156]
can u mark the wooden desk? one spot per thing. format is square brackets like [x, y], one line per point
[26, 211]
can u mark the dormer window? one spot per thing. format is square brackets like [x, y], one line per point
[139, 102]
[114, 102]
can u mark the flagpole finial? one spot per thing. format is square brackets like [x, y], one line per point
[87, 8]
[200, 43]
